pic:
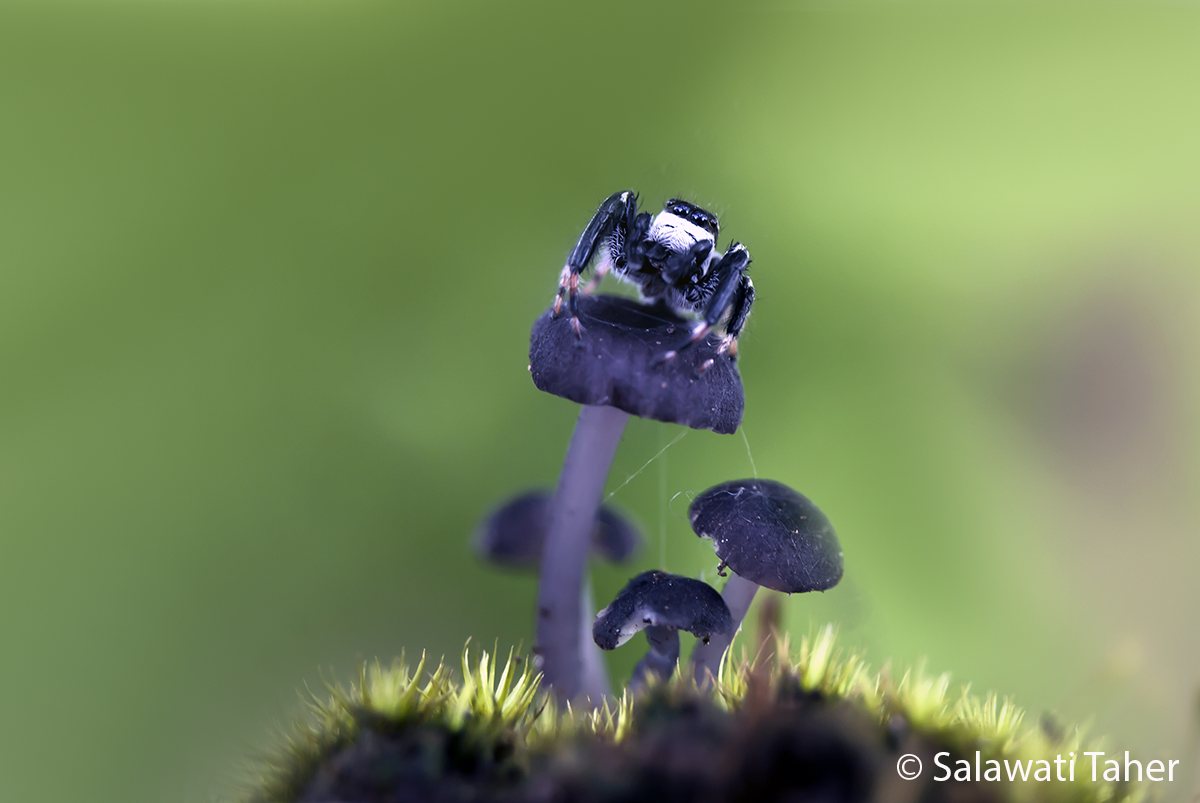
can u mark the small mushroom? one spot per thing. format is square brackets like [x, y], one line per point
[615, 369]
[661, 604]
[513, 534]
[768, 535]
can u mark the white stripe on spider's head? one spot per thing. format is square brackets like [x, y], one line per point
[675, 232]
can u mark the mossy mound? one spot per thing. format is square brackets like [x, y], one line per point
[813, 726]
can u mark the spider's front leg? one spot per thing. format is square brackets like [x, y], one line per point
[613, 218]
[729, 285]
[598, 274]
[737, 316]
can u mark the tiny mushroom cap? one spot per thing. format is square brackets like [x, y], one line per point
[658, 599]
[513, 534]
[769, 534]
[619, 362]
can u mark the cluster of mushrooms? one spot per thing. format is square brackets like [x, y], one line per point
[764, 533]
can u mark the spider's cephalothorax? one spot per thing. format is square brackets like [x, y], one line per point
[670, 257]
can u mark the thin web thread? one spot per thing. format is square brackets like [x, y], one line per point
[662, 509]
[753, 467]
[645, 313]
[632, 476]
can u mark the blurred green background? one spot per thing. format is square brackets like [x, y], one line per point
[267, 272]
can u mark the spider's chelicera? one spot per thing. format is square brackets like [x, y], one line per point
[670, 257]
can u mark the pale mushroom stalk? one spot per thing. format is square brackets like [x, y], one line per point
[596, 684]
[513, 536]
[660, 660]
[568, 540]
[738, 595]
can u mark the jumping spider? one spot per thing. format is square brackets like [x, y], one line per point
[670, 257]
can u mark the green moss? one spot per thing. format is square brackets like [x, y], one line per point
[816, 716]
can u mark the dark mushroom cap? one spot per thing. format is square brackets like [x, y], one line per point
[664, 600]
[618, 362]
[513, 534]
[769, 534]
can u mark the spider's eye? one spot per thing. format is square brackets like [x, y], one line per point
[694, 214]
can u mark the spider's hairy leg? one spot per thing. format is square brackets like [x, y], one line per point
[737, 316]
[610, 219]
[600, 271]
[726, 281]
[564, 279]
[681, 264]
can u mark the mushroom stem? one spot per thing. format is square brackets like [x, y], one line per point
[564, 555]
[660, 661]
[706, 658]
[595, 673]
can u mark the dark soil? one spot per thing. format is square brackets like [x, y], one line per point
[786, 746]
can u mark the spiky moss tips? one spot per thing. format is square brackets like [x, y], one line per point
[420, 736]
[818, 721]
